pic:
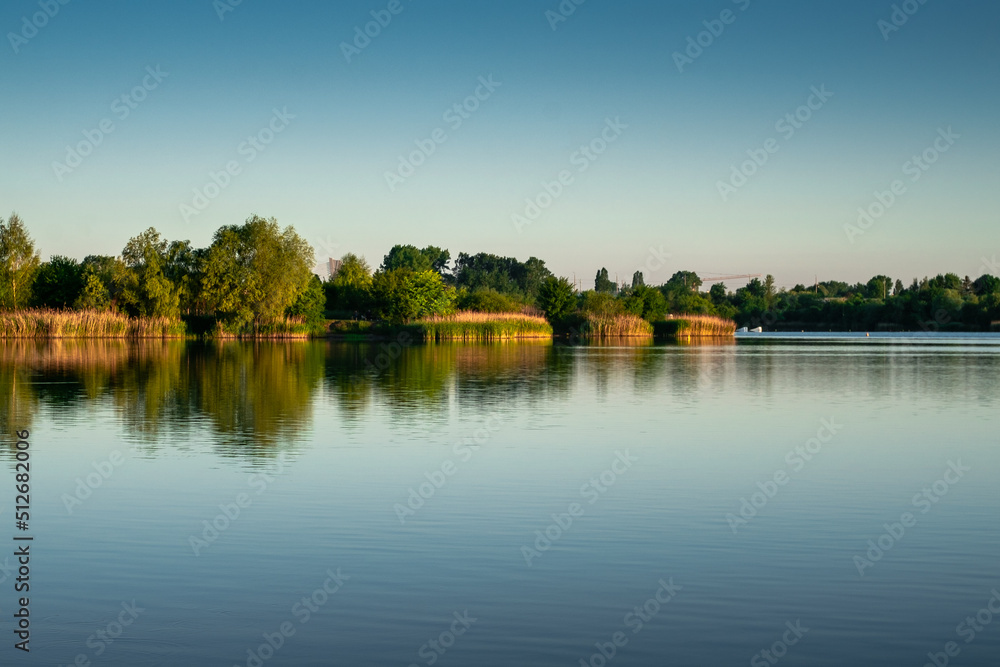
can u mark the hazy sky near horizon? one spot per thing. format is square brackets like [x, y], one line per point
[311, 132]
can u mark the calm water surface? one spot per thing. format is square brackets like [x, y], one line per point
[505, 505]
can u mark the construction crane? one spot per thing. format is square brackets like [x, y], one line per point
[715, 280]
[721, 278]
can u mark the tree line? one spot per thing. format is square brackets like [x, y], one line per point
[257, 274]
[252, 274]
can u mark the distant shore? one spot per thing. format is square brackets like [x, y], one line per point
[462, 326]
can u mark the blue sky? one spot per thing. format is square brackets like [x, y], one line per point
[321, 163]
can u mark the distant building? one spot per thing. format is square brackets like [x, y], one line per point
[334, 266]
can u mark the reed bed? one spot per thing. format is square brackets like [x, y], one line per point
[695, 326]
[615, 326]
[86, 324]
[471, 326]
[288, 327]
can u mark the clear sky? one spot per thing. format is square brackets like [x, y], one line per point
[673, 129]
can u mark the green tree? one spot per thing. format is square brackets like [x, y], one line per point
[648, 303]
[879, 287]
[486, 300]
[986, 284]
[94, 294]
[769, 291]
[637, 279]
[109, 272]
[949, 281]
[600, 303]
[410, 257]
[182, 266]
[19, 263]
[402, 295]
[58, 283]
[530, 276]
[145, 288]
[718, 293]
[556, 298]
[603, 284]
[438, 258]
[255, 271]
[688, 279]
[311, 305]
[350, 289]
[503, 274]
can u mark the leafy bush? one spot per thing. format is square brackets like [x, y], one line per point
[402, 295]
[488, 300]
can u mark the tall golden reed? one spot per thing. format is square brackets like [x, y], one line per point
[40, 323]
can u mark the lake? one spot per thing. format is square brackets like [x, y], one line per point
[808, 502]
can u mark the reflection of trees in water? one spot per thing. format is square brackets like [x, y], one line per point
[619, 362]
[258, 396]
[254, 398]
[495, 375]
[426, 379]
[409, 379]
[18, 402]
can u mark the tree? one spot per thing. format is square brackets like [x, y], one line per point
[505, 275]
[105, 271]
[556, 298]
[19, 263]
[600, 303]
[531, 275]
[879, 287]
[182, 267]
[637, 279]
[756, 288]
[94, 294]
[438, 258]
[255, 271]
[311, 305]
[486, 300]
[769, 290]
[350, 289]
[986, 284]
[410, 257]
[717, 293]
[652, 304]
[949, 281]
[145, 288]
[603, 284]
[402, 295]
[58, 283]
[688, 279]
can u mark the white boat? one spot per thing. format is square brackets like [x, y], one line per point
[742, 330]
[757, 330]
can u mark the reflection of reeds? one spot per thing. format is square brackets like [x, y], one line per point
[469, 326]
[695, 326]
[615, 326]
[706, 341]
[86, 324]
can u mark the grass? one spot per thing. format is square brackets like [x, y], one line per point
[614, 326]
[470, 326]
[695, 326]
[86, 324]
